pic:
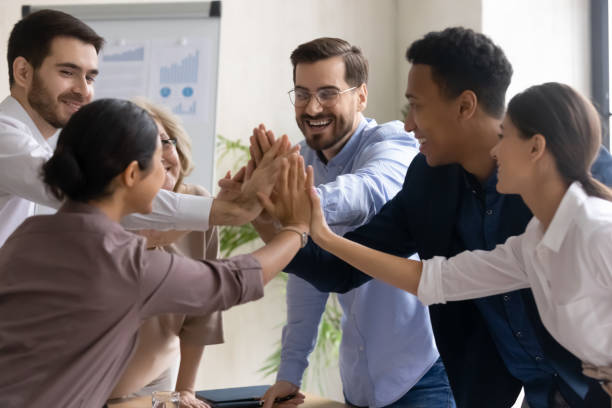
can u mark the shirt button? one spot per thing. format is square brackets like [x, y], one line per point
[489, 212]
[539, 358]
[506, 298]
[360, 348]
[473, 191]
[518, 334]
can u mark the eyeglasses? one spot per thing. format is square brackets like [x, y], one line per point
[327, 97]
[168, 143]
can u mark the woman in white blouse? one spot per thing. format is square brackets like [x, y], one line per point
[551, 136]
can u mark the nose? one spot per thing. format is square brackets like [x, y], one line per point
[313, 107]
[409, 124]
[494, 150]
[82, 87]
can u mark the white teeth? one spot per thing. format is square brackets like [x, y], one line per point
[319, 122]
[422, 140]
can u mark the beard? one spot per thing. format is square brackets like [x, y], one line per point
[43, 103]
[320, 141]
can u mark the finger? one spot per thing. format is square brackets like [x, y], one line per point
[301, 174]
[315, 203]
[295, 149]
[293, 171]
[250, 168]
[226, 177]
[229, 185]
[271, 154]
[271, 138]
[239, 177]
[266, 203]
[269, 397]
[283, 180]
[262, 138]
[254, 149]
[309, 178]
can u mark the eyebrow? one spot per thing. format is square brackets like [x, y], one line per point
[76, 67]
[318, 89]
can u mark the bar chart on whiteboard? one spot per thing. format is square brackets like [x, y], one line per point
[168, 72]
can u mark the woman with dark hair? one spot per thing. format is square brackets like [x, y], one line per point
[75, 286]
[171, 345]
[550, 138]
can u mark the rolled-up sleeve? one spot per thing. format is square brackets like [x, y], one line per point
[473, 274]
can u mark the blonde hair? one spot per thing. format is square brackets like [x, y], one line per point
[175, 130]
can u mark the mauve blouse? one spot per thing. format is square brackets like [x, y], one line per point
[74, 289]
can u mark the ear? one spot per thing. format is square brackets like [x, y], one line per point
[362, 95]
[538, 147]
[131, 175]
[22, 72]
[468, 103]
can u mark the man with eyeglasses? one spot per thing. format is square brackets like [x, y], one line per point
[387, 356]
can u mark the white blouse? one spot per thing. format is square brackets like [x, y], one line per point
[568, 268]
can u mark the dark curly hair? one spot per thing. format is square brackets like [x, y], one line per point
[461, 60]
[326, 47]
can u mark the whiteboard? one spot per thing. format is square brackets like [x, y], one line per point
[166, 52]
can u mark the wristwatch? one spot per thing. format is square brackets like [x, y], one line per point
[303, 235]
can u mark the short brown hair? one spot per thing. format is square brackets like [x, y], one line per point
[322, 48]
[32, 36]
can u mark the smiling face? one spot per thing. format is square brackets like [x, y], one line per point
[514, 160]
[64, 81]
[169, 159]
[432, 116]
[328, 129]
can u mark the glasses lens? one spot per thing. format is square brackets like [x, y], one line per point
[168, 143]
[328, 97]
[299, 97]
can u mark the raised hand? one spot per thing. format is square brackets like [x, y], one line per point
[319, 230]
[291, 205]
[231, 187]
[262, 140]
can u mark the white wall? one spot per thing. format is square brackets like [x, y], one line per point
[545, 40]
[416, 18]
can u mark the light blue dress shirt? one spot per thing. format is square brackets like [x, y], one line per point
[387, 340]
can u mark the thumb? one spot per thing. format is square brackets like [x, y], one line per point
[269, 398]
[315, 202]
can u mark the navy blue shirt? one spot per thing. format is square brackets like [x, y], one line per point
[479, 219]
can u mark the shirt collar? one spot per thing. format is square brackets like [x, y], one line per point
[472, 184]
[11, 107]
[573, 199]
[349, 148]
